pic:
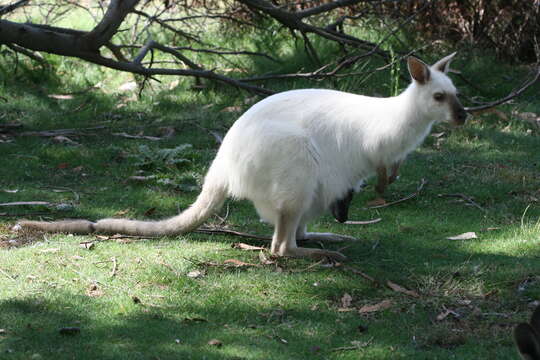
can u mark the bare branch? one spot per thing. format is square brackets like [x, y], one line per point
[9, 8]
[326, 7]
[108, 26]
[167, 26]
[34, 56]
[508, 97]
[68, 43]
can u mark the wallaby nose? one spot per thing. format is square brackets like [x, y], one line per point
[460, 116]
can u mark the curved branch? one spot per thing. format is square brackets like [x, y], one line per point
[9, 8]
[108, 26]
[508, 97]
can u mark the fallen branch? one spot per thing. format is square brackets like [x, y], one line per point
[27, 203]
[362, 274]
[205, 230]
[57, 132]
[366, 222]
[513, 94]
[468, 199]
[357, 346]
[138, 137]
[9, 127]
[7, 275]
[24, 215]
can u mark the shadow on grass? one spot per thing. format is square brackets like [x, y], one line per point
[32, 326]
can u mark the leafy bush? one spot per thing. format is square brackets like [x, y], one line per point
[510, 27]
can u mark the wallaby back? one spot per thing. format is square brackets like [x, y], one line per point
[527, 337]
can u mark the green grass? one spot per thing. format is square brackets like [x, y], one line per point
[133, 299]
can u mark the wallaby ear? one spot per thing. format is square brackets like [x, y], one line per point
[527, 341]
[418, 69]
[443, 65]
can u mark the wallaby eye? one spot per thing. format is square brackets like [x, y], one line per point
[439, 96]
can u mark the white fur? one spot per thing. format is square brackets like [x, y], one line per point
[311, 146]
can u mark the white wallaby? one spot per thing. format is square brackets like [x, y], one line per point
[527, 337]
[295, 153]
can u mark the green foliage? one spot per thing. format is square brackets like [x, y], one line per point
[161, 159]
[166, 298]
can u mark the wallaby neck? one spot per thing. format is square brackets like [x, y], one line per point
[411, 108]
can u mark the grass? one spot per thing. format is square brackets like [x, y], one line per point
[133, 299]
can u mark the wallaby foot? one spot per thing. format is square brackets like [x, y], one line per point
[287, 229]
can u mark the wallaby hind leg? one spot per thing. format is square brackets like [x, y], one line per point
[284, 240]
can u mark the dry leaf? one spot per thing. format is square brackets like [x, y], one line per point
[88, 245]
[232, 109]
[195, 274]
[64, 140]
[445, 314]
[376, 202]
[195, 319]
[51, 250]
[401, 289]
[121, 212]
[346, 301]
[215, 342]
[94, 291]
[243, 246]
[173, 84]
[60, 97]
[129, 86]
[385, 304]
[141, 178]
[238, 263]
[465, 236]
[265, 260]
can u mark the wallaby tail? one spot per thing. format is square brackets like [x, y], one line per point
[209, 200]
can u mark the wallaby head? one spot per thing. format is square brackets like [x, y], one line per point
[436, 95]
[527, 337]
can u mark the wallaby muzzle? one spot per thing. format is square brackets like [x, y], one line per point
[459, 115]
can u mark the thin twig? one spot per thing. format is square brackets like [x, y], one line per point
[7, 275]
[114, 267]
[468, 199]
[365, 222]
[354, 347]
[231, 232]
[408, 197]
[362, 274]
